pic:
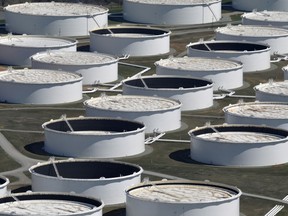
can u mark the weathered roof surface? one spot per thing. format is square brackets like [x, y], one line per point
[182, 193]
[275, 16]
[35, 41]
[277, 88]
[132, 103]
[252, 31]
[55, 9]
[174, 2]
[73, 58]
[44, 207]
[199, 64]
[37, 76]
[259, 110]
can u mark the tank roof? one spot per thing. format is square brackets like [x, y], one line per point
[182, 192]
[56, 9]
[37, 76]
[174, 2]
[277, 88]
[259, 110]
[132, 103]
[252, 31]
[73, 58]
[273, 16]
[35, 41]
[199, 64]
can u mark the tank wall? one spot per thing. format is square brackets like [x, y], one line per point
[3, 186]
[162, 120]
[238, 154]
[191, 99]
[171, 14]
[219, 77]
[133, 46]
[249, 59]
[234, 119]
[276, 43]
[248, 21]
[248, 5]
[137, 207]
[110, 191]
[53, 25]
[94, 146]
[91, 73]
[40, 93]
[265, 97]
[15, 55]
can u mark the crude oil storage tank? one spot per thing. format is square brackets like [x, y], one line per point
[94, 137]
[272, 114]
[272, 91]
[93, 67]
[285, 71]
[35, 86]
[273, 36]
[17, 49]
[271, 5]
[249, 53]
[130, 40]
[271, 18]
[193, 93]
[157, 114]
[239, 145]
[172, 12]
[215, 69]
[105, 180]
[3, 185]
[177, 198]
[64, 204]
[54, 18]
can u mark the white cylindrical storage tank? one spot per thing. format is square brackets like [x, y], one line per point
[17, 49]
[93, 67]
[215, 69]
[54, 18]
[249, 53]
[239, 145]
[105, 180]
[271, 18]
[94, 137]
[36, 86]
[63, 204]
[249, 5]
[177, 198]
[193, 93]
[272, 91]
[274, 37]
[157, 114]
[130, 40]
[171, 12]
[285, 71]
[3, 186]
[272, 114]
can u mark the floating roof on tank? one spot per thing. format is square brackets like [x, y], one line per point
[199, 64]
[272, 16]
[183, 192]
[37, 76]
[130, 103]
[35, 41]
[174, 2]
[56, 9]
[73, 58]
[270, 110]
[48, 204]
[252, 31]
[277, 88]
